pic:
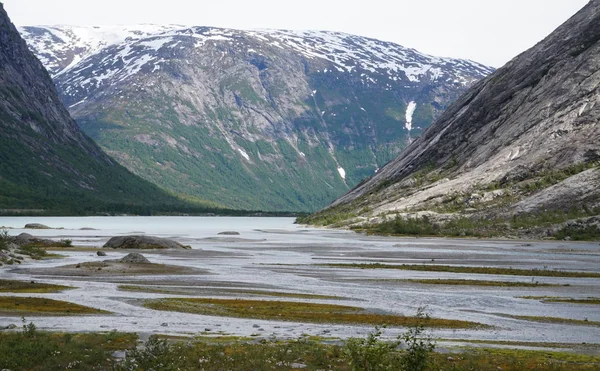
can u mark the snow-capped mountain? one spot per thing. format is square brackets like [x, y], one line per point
[295, 117]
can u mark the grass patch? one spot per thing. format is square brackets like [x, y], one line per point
[469, 226]
[294, 311]
[556, 320]
[30, 287]
[28, 306]
[36, 350]
[555, 299]
[462, 269]
[525, 343]
[514, 360]
[480, 283]
[35, 252]
[196, 291]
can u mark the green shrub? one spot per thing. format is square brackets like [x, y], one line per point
[373, 354]
[4, 239]
[34, 252]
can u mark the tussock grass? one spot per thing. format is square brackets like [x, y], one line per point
[464, 269]
[30, 287]
[556, 299]
[178, 290]
[10, 305]
[562, 321]
[36, 350]
[295, 311]
[490, 359]
[479, 283]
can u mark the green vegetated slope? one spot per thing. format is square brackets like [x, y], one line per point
[271, 120]
[281, 174]
[517, 155]
[47, 164]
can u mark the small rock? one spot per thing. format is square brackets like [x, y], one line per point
[135, 258]
[229, 233]
[100, 253]
[78, 265]
[12, 326]
[255, 326]
[103, 326]
[207, 329]
[164, 324]
[297, 365]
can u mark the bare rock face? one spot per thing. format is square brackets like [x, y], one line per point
[143, 242]
[134, 258]
[530, 130]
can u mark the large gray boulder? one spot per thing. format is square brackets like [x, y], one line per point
[36, 226]
[25, 239]
[143, 242]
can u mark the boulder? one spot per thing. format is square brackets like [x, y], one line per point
[143, 242]
[229, 233]
[36, 226]
[25, 239]
[134, 258]
[100, 253]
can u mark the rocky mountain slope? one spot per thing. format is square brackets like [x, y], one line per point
[272, 120]
[46, 162]
[519, 150]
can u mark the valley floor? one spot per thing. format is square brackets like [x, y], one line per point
[533, 299]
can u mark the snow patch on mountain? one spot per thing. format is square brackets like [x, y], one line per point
[64, 48]
[410, 110]
[244, 154]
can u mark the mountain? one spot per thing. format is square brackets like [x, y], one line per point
[264, 119]
[46, 163]
[517, 154]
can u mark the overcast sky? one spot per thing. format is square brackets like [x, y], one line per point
[487, 31]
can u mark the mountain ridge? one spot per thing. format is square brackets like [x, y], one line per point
[523, 141]
[257, 119]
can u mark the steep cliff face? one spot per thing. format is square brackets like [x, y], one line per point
[46, 162]
[524, 140]
[274, 120]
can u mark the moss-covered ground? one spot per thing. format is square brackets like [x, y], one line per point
[294, 311]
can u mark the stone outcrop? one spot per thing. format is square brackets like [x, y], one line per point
[36, 226]
[143, 242]
[25, 239]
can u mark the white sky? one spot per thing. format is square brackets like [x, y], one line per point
[487, 31]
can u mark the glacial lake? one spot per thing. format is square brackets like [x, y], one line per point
[273, 255]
